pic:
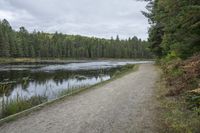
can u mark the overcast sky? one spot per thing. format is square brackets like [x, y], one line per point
[100, 18]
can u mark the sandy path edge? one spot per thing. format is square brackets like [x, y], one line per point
[122, 106]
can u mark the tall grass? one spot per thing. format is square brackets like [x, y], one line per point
[19, 104]
[72, 90]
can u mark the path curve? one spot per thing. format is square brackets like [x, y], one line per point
[125, 105]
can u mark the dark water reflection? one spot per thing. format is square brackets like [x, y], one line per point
[26, 80]
[27, 83]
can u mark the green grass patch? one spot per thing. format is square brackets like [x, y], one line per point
[174, 114]
[17, 105]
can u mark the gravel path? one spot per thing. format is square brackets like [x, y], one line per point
[125, 105]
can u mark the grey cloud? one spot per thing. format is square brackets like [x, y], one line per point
[101, 18]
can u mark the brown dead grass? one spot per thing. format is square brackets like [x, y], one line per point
[182, 76]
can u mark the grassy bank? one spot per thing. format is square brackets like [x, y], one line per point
[21, 107]
[19, 104]
[179, 96]
[174, 114]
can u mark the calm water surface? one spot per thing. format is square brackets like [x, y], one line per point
[50, 79]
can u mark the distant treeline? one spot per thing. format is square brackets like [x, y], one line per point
[39, 44]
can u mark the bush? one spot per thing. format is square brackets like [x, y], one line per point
[181, 75]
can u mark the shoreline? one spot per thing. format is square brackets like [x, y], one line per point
[64, 97]
[63, 60]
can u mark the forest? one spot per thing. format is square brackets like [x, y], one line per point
[39, 45]
[175, 27]
[174, 37]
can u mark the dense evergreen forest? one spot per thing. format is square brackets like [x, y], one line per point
[39, 44]
[174, 37]
[175, 27]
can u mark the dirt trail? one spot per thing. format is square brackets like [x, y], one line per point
[125, 105]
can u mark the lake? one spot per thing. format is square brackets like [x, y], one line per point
[27, 80]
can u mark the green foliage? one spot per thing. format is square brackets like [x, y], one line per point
[175, 36]
[175, 26]
[176, 72]
[57, 45]
[193, 99]
[171, 56]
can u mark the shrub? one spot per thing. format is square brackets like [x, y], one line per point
[182, 75]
